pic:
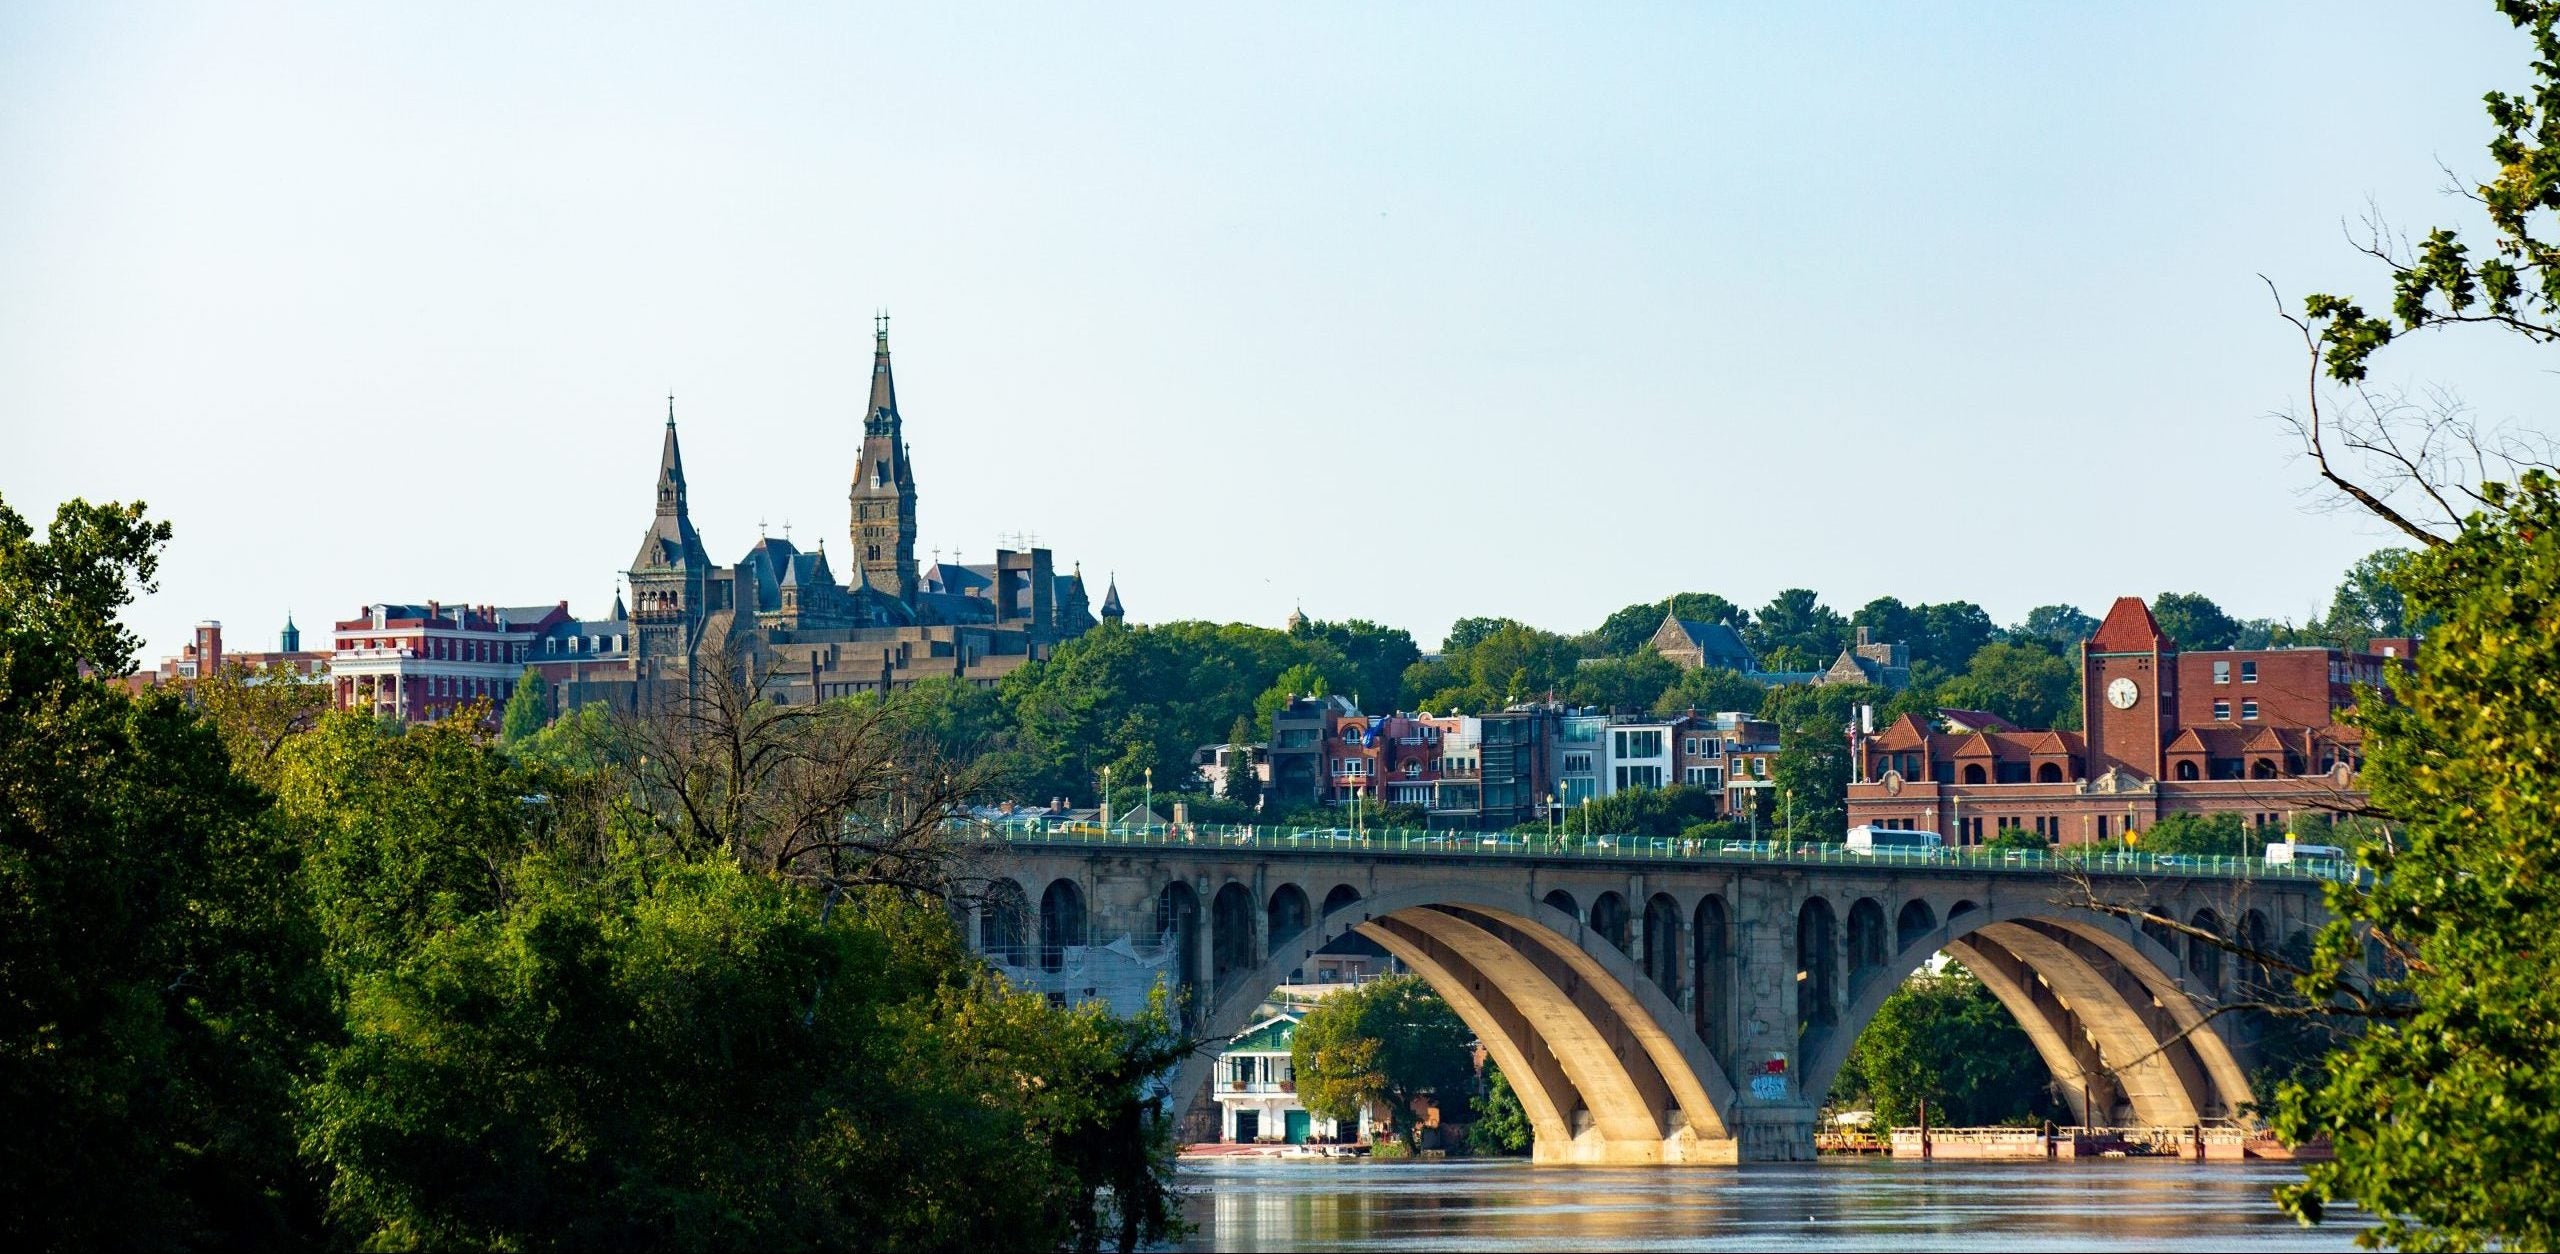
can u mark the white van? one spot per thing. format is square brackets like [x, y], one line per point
[2284, 852]
[1871, 840]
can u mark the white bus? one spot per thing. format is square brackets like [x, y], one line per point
[1872, 840]
[2283, 852]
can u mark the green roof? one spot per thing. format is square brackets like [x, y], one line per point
[1270, 1037]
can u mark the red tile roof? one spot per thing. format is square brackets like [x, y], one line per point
[2129, 628]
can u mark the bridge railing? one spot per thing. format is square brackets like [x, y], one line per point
[1625, 848]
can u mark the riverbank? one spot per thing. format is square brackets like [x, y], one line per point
[1840, 1203]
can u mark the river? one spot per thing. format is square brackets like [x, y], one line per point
[1843, 1203]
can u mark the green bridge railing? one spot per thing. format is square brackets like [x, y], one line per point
[1408, 842]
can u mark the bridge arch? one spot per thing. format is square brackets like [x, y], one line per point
[1662, 944]
[1178, 926]
[1609, 919]
[1233, 947]
[1342, 897]
[1607, 1065]
[1004, 922]
[2107, 1006]
[1062, 922]
[1286, 915]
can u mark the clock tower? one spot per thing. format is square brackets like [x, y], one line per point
[884, 488]
[2128, 690]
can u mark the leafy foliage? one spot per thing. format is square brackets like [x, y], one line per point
[1391, 1042]
[1502, 1123]
[159, 985]
[1946, 1040]
[2442, 1115]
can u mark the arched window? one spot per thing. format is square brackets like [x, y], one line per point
[2262, 769]
[2186, 770]
[1973, 773]
[2048, 774]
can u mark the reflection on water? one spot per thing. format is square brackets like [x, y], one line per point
[1844, 1203]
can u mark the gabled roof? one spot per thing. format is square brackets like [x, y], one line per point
[2129, 628]
[1271, 1036]
[1906, 732]
[2186, 741]
[1713, 640]
[1974, 720]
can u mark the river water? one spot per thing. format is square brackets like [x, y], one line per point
[1847, 1203]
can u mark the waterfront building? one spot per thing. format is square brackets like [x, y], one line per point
[2253, 732]
[1257, 1089]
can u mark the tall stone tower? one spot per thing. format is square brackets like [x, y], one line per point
[670, 575]
[884, 488]
[2128, 690]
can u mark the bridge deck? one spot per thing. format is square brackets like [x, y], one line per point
[1408, 843]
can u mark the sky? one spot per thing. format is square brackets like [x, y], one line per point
[1404, 313]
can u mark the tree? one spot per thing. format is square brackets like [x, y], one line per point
[1797, 630]
[159, 985]
[1502, 1124]
[526, 710]
[1464, 633]
[1812, 770]
[1377, 657]
[2200, 835]
[1953, 632]
[2369, 603]
[1944, 1039]
[1631, 683]
[2441, 1110]
[2194, 621]
[1244, 787]
[2060, 628]
[1711, 689]
[2021, 839]
[1390, 1042]
[2019, 682]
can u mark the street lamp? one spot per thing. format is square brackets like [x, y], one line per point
[1147, 812]
[1106, 797]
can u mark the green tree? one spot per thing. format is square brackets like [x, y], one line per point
[159, 985]
[1946, 1040]
[1812, 769]
[1711, 690]
[1243, 786]
[2194, 621]
[2022, 683]
[526, 710]
[1377, 657]
[2201, 835]
[2442, 1111]
[1391, 1042]
[1632, 683]
[1502, 1124]
[1466, 632]
[2021, 839]
[1798, 631]
[2369, 602]
[2060, 628]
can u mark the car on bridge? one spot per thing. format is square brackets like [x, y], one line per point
[1902, 842]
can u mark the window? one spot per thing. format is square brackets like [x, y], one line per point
[2222, 711]
[2248, 709]
[2248, 672]
[2102, 827]
[1577, 764]
[1759, 768]
[1640, 744]
[2222, 672]
[1639, 777]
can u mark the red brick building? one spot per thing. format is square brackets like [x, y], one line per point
[2252, 732]
[420, 662]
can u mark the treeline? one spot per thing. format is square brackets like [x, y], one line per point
[272, 977]
[1140, 700]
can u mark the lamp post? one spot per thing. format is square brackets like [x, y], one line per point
[1551, 820]
[1106, 798]
[1147, 812]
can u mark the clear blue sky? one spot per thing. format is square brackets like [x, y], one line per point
[1405, 313]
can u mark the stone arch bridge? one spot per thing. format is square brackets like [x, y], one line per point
[1655, 1004]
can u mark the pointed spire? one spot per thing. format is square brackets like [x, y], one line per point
[670, 467]
[1111, 598]
[883, 414]
[620, 614]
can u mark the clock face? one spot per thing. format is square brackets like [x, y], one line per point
[2122, 694]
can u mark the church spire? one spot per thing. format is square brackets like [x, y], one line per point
[1111, 599]
[882, 418]
[670, 468]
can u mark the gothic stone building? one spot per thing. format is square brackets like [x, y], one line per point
[784, 617]
[2253, 732]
